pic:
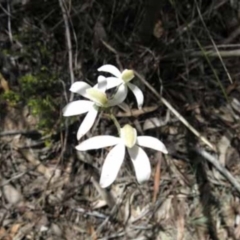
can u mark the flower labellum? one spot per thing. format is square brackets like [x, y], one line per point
[97, 96]
[128, 135]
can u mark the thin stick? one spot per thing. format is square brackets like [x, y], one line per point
[9, 22]
[210, 53]
[16, 132]
[175, 112]
[68, 42]
[65, 15]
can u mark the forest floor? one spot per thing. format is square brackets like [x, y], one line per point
[186, 57]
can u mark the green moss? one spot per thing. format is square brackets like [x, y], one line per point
[39, 83]
[11, 97]
[48, 143]
[38, 89]
[45, 110]
[39, 92]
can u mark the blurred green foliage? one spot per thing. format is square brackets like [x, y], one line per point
[11, 97]
[39, 92]
[38, 88]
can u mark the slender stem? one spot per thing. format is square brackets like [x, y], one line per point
[116, 123]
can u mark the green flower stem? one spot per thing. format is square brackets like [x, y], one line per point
[116, 123]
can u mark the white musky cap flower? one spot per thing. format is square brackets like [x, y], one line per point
[97, 98]
[128, 139]
[123, 78]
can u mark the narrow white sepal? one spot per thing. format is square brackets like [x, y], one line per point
[112, 165]
[113, 82]
[80, 87]
[87, 123]
[137, 93]
[141, 163]
[119, 96]
[102, 84]
[151, 142]
[98, 142]
[77, 107]
[110, 69]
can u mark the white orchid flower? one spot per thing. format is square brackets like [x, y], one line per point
[128, 139]
[122, 78]
[98, 99]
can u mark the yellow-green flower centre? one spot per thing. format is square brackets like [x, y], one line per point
[97, 96]
[128, 135]
[127, 75]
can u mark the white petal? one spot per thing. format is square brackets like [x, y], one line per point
[119, 96]
[151, 142]
[87, 123]
[110, 69]
[112, 165]
[80, 88]
[137, 93]
[102, 84]
[141, 163]
[113, 82]
[98, 142]
[77, 108]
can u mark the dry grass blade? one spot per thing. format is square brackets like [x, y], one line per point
[214, 45]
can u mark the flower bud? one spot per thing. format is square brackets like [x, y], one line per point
[127, 75]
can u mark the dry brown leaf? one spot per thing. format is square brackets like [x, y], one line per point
[91, 231]
[12, 195]
[127, 209]
[164, 212]
[3, 233]
[180, 220]
[237, 229]
[14, 229]
[56, 230]
[225, 114]
[3, 83]
[158, 29]
[223, 145]
[23, 231]
[40, 167]
[157, 176]
[155, 122]
[235, 105]
[135, 112]
[99, 203]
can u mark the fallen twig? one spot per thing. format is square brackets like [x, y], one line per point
[16, 132]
